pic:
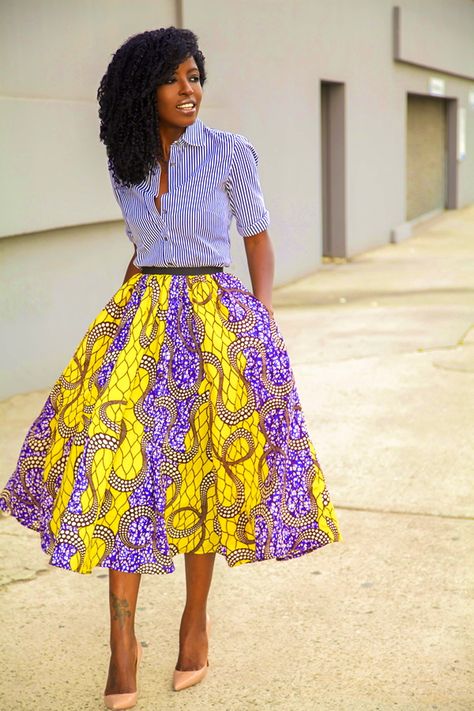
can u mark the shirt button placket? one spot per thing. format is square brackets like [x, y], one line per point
[166, 237]
[167, 247]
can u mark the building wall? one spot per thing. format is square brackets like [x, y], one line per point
[53, 285]
[266, 60]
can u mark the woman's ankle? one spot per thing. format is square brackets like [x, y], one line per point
[122, 638]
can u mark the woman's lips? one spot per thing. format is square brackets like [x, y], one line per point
[187, 107]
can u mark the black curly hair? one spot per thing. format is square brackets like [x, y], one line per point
[126, 96]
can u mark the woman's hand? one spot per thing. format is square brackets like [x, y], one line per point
[261, 263]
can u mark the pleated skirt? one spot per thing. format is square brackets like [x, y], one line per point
[175, 428]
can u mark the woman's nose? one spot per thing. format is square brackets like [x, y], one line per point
[186, 87]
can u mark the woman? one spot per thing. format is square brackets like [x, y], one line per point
[177, 426]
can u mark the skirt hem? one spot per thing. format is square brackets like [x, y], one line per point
[154, 568]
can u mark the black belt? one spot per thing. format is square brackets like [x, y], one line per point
[181, 270]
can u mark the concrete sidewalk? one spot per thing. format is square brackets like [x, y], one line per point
[382, 349]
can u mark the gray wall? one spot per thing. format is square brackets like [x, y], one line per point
[64, 251]
[50, 295]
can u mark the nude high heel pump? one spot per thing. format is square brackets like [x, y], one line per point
[129, 699]
[183, 679]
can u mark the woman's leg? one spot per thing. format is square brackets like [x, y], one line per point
[193, 642]
[123, 593]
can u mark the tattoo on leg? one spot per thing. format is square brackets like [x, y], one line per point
[120, 609]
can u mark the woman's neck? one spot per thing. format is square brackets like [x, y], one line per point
[169, 135]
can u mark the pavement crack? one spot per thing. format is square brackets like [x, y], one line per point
[453, 368]
[10, 583]
[450, 347]
[465, 334]
[409, 351]
[306, 297]
[400, 512]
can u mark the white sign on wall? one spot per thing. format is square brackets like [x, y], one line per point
[436, 86]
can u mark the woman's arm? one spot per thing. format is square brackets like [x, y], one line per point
[261, 265]
[131, 269]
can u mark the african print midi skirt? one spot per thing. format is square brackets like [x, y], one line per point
[175, 428]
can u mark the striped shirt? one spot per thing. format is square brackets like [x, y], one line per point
[212, 177]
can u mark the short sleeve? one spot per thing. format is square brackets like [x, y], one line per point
[243, 188]
[128, 231]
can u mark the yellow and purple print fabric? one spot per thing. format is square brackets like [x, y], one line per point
[175, 428]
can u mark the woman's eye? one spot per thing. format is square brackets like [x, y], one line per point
[194, 79]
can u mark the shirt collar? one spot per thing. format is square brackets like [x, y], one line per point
[193, 134]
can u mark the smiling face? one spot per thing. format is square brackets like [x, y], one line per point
[179, 99]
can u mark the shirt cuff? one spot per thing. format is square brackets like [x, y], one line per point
[256, 227]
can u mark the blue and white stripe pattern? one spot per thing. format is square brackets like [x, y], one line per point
[212, 176]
